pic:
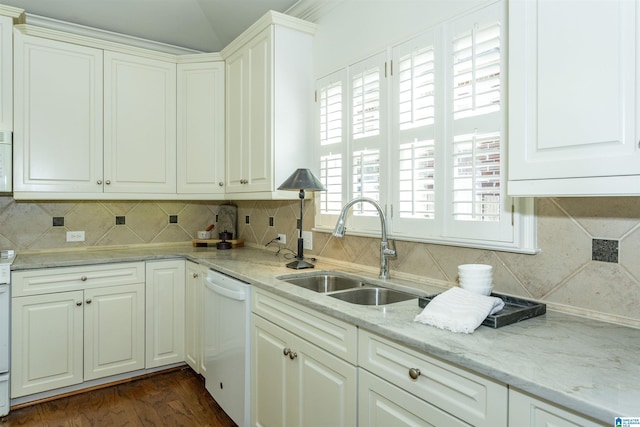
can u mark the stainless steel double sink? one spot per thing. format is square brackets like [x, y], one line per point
[348, 288]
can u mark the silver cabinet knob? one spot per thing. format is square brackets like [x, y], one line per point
[99, 182]
[414, 373]
[107, 182]
[293, 355]
[286, 351]
[83, 278]
[195, 275]
[88, 300]
[221, 184]
[78, 303]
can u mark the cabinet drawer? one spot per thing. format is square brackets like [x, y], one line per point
[49, 280]
[382, 404]
[331, 334]
[474, 399]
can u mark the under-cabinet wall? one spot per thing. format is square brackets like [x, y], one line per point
[562, 274]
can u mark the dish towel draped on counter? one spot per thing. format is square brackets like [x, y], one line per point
[459, 310]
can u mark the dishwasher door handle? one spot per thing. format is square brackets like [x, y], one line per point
[239, 295]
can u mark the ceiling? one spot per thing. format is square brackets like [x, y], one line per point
[202, 25]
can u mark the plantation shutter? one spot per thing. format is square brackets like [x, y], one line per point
[477, 205]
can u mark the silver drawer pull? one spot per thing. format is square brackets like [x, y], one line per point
[78, 303]
[195, 275]
[293, 355]
[83, 278]
[414, 373]
[88, 300]
[286, 351]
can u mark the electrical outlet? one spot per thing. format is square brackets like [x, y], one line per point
[283, 238]
[75, 236]
[307, 237]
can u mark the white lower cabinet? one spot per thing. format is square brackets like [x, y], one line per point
[295, 382]
[194, 317]
[46, 342]
[71, 325]
[299, 384]
[65, 338]
[382, 404]
[436, 392]
[528, 411]
[165, 312]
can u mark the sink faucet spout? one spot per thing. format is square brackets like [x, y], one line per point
[385, 251]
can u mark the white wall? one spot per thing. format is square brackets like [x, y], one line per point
[356, 29]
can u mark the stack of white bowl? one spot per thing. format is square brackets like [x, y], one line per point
[477, 278]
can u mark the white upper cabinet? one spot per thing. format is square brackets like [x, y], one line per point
[139, 124]
[58, 116]
[6, 73]
[200, 126]
[91, 123]
[269, 106]
[573, 98]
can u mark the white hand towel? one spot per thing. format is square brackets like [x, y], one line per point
[459, 310]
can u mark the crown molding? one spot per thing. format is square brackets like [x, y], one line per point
[199, 57]
[312, 10]
[107, 36]
[269, 18]
[12, 12]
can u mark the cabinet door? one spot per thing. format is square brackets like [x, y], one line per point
[194, 318]
[571, 116]
[249, 116]
[323, 381]
[165, 304]
[527, 411]
[6, 73]
[295, 382]
[140, 124]
[382, 404]
[46, 342]
[200, 128]
[113, 330]
[271, 379]
[58, 116]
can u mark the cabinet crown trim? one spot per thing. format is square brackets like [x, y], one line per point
[13, 12]
[83, 40]
[269, 18]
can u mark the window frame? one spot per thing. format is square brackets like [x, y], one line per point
[516, 229]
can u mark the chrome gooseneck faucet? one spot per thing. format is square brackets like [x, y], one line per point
[385, 251]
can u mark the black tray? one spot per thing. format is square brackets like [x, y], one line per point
[515, 310]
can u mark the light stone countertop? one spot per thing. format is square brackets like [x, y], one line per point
[588, 366]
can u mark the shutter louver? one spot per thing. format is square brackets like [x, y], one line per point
[330, 99]
[417, 175]
[476, 71]
[366, 104]
[476, 177]
[416, 89]
[366, 179]
[331, 178]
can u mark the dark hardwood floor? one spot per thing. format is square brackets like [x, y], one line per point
[175, 398]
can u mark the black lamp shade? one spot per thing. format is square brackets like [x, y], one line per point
[302, 179]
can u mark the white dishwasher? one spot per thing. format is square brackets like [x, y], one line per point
[227, 344]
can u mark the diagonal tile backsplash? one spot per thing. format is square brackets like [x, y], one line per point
[563, 274]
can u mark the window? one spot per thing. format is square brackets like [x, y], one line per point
[434, 153]
[330, 103]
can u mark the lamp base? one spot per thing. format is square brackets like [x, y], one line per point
[299, 264]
